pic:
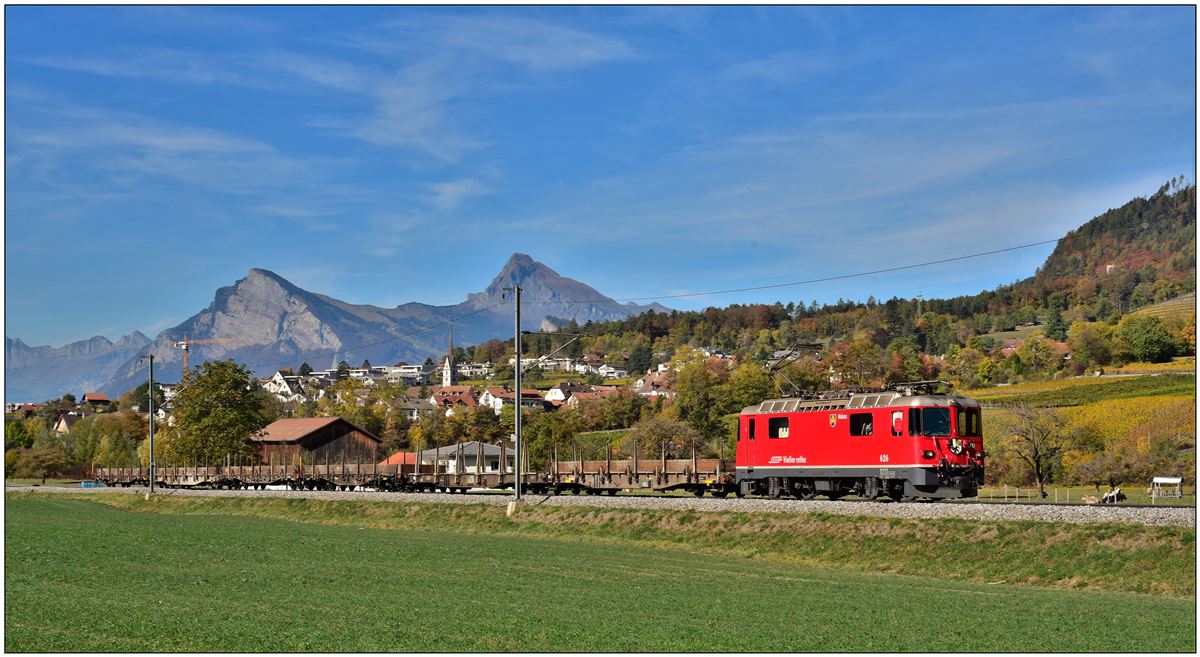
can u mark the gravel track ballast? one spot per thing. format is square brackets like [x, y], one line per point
[1180, 516]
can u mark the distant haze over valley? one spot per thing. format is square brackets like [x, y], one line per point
[277, 324]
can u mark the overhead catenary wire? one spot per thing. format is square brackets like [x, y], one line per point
[824, 279]
[254, 366]
[810, 281]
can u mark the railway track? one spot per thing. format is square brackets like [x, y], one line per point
[983, 511]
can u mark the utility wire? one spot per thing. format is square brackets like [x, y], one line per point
[812, 280]
[254, 366]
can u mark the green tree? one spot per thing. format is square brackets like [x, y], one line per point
[343, 371]
[695, 398]
[639, 359]
[16, 434]
[748, 384]
[216, 414]
[1146, 338]
[305, 369]
[1055, 328]
[345, 400]
[1090, 343]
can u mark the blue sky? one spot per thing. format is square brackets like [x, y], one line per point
[392, 154]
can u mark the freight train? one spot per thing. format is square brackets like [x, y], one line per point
[902, 443]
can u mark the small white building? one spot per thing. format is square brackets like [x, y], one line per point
[611, 371]
[469, 457]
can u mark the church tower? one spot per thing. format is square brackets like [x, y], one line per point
[449, 376]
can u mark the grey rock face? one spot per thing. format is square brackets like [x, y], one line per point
[276, 324]
[39, 373]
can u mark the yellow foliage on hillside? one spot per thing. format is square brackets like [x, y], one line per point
[1119, 418]
[1033, 386]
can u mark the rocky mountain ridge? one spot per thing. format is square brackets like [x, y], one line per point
[275, 324]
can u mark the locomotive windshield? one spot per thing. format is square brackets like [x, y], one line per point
[929, 422]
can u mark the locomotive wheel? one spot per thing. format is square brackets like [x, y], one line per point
[835, 496]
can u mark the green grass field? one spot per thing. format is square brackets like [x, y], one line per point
[195, 576]
[1020, 333]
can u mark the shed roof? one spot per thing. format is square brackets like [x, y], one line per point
[292, 429]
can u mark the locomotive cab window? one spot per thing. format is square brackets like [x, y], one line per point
[861, 424]
[969, 425]
[935, 422]
[750, 429]
[777, 427]
[929, 422]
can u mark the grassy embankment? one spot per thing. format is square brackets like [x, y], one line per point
[234, 574]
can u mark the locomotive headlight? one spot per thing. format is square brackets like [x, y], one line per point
[927, 453]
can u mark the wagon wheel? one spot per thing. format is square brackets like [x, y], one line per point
[803, 494]
[721, 494]
[699, 492]
[835, 496]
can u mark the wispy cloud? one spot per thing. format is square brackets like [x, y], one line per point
[68, 148]
[448, 195]
[166, 65]
[786, 66]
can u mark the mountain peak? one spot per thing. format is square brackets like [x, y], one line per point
[259, 273]
[519, 267]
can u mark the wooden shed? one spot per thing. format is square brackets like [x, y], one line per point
[316, 440]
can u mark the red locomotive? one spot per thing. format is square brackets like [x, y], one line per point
[904, 442]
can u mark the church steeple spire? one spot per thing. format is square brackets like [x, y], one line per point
[449, 375]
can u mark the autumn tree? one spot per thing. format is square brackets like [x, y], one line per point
[47, 463]
[651, 435]
[1038, 439]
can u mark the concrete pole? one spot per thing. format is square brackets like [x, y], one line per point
[150, 405]
[517, 383]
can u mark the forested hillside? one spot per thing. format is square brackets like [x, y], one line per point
[1127, 258]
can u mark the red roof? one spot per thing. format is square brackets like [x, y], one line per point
[292, 429]
[400, 458]
[95, 396]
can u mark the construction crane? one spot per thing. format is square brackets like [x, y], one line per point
[185, 343]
